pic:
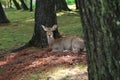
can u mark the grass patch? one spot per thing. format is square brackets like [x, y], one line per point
[19, 31]
[21, 28]
[69, 23]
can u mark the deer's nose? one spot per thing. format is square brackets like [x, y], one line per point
[49, 35]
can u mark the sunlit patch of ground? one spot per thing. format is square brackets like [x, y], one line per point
[72, 6]
[73, 73]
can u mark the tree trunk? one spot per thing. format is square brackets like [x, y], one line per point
[24, 6]
[16, 5]
[3, 18]
[76, 4]
[61, 5]
[101, 26]
[31, 9]
[10, 4]
[44, 15]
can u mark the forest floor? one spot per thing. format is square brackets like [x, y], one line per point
[42, 64]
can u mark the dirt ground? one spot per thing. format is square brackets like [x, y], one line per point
[24, 62]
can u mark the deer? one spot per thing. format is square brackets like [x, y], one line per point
[73, 43]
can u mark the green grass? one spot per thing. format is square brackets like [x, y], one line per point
[69, 23]
[18, 32]
[21, 27]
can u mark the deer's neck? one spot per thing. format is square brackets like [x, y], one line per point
[51, 41]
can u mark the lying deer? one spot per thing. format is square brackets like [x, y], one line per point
[73, 43]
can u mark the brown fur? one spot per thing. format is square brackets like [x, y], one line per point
[73, 43]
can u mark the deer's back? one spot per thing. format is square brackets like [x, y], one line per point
[64, 43]
[77, 45]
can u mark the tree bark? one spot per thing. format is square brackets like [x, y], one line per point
[76, 4]
[44, 15]
[101, 27]
[31, 9]
[3, 18]
[61, 5]
[10, 4]
[24, 6]
[16, 5]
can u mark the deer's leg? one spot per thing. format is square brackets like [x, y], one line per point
[75, 50]
[57, 48]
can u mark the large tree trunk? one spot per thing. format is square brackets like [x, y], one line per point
[61, 5]
[24, 6]
[3, 18]
[31, 8]
[44, 15]
[101, 25]
[16, 5]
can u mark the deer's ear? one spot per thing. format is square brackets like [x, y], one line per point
[45, 29]
[54, 27]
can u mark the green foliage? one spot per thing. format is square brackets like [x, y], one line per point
[20, 30]
[70, 2]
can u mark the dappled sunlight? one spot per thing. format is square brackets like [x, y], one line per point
[73, 12]
[72, 6]
[68, 13]
[73, 72]
[30, 59]
[3, 63]
[60, 13]
[29, 20]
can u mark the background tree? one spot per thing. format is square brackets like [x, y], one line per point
[44, 15]
[24, 6]
[31, 8]
[10, 3]
[3, 18]
[61, 5]
[76, 4]
[101, 25]
[16, 5]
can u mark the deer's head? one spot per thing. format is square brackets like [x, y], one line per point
[49, 33]
[49, 30]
